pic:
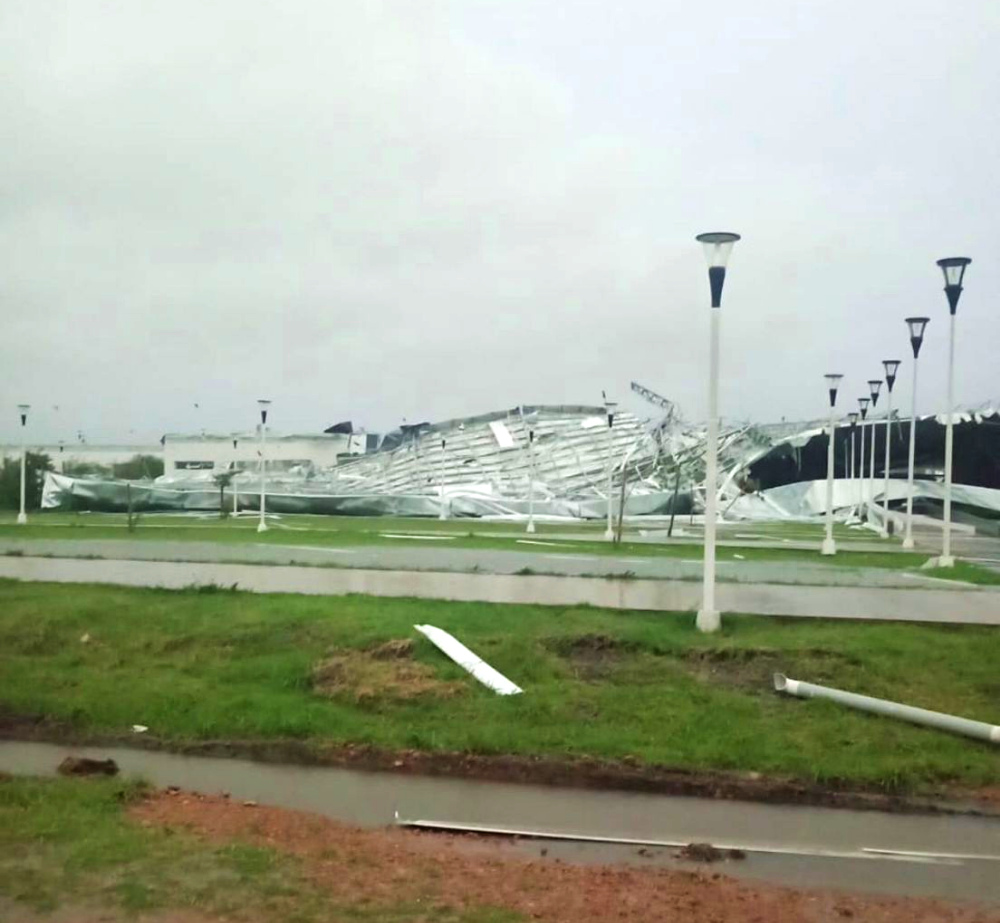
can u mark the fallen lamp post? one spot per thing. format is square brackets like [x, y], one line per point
[934, 719]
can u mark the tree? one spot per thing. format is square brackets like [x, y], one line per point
[36, 464]
[138, 468]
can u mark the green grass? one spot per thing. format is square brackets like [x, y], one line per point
[69, 843]
[315, 531]
[965, 572]
[215, 665]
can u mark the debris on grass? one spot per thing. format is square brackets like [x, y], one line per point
[451, 647]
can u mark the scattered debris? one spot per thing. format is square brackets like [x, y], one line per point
[701, 852]
[739, 557]
[249, 804]
[85, 638]
[84, 766]
[478, 667]
[139, 728]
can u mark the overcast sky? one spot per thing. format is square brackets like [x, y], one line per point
[422, 208]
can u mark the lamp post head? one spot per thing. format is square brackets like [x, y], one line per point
[718, 246]
[609, 409]
[875, 387]
[953, 268]
[863, 404]
[917, 325]
[23, 409]
[853, 418]
[263, 404]
[832, 383]
[891, 367]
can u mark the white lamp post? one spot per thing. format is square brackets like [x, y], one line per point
[829, 545]
[609, 409]
[236, 490]
[444, 507]
[891, 367]
[917, 326]
[853, 418]
[863, 403]
[874, 387]
[718, 247]
[22, 409]
[531, 475]
[263, 404]
[954, 272]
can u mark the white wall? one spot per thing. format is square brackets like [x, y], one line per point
[218, 451]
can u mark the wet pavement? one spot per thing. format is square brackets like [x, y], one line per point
[950, 856]
[414, 555]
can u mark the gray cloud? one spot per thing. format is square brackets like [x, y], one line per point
[379, 210]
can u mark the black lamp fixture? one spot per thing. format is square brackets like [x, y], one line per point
[853, 418]
[953, 268]
[917, 327]
[609, 408]
[875, 387]
[832, 384]
[863, 404]
[23, 409]
[718, 246]
[891, 367]
[263, 404]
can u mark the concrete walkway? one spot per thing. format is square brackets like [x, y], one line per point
[848, 602]
[414, 555]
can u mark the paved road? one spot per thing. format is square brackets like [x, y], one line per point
[954, 606]
[415, 555]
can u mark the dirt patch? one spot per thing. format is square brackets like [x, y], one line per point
[387, 671]
[389, 867]
[593, 656]
[751, 670]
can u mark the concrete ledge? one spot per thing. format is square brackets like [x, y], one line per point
[978, 606]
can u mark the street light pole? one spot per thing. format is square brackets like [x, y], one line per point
[444, 509]
[829, 545]
[236, 490]
[718, 246]
[917, 326]
[22, 409]
[863, 405]
[263, 404]
[891, 367]
[874, 387]
[853, 418]
[531, 478]
[609, 409]
[954, 272]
